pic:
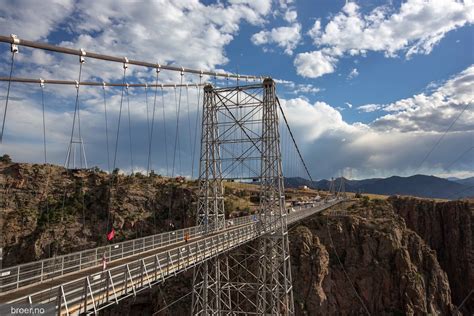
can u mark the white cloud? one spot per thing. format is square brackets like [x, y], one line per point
[33, 20]
[434, 111]
[354, 73]
[394, 143]
[415, 28]
[184, 33]
[314, 64]
[286, 37]
[369, 107]
[290, 16]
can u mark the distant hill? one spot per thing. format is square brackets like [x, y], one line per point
[466, 181]
[417, 185]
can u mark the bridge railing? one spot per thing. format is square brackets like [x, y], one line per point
[100, 289]
[14, 277]
[39, 271]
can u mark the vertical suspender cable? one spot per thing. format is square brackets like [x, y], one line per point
[164, 129]
[45, 160]
[152, 122]
[68, 158]
[44, 122]
[129, 127]
[14, 50]
[106, 129]
[147, 114]
[189, 120]
[125, 66]
[196, 124]
[176, 138]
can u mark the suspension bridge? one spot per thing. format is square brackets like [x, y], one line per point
[245, 137]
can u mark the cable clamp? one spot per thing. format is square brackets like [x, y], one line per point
[82, 58]
[125, 63]
[126, 86]
[103, 84]
[158, 68]
[14, 44]
[77, 84]
[182, 71]
[162, 86]
[41, 83]
[146, 85]
[201, 74]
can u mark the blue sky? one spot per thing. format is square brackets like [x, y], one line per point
[369, 86]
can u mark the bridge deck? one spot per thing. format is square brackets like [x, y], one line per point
[93, 289]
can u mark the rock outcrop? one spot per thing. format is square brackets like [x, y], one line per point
[448, 228]
[391, 269]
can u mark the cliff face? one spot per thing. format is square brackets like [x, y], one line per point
[391, 268]
[448, 228]
[47, 210]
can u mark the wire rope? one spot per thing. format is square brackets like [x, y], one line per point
[106, 129]
[196, 126]
[164, 130]
[152, 124]
[130, 128]
[8, 95]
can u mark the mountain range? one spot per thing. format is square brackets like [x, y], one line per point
[417, 185]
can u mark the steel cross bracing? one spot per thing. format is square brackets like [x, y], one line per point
[240, 140]
[76, 282]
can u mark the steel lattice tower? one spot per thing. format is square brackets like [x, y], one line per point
[241, 141]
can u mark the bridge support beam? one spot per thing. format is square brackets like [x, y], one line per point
[241, 141]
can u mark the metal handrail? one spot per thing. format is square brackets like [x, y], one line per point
[36, 272]
[39, 271]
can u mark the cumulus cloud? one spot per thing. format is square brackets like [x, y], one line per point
[286, 37]
[415, 28]
[431, 111]
[186, 33]
[314, 64]
[393, 143]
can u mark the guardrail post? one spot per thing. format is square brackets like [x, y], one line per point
[42, 270]
[18, 277]
[62, 266]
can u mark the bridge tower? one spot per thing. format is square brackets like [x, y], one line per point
[241, 142]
